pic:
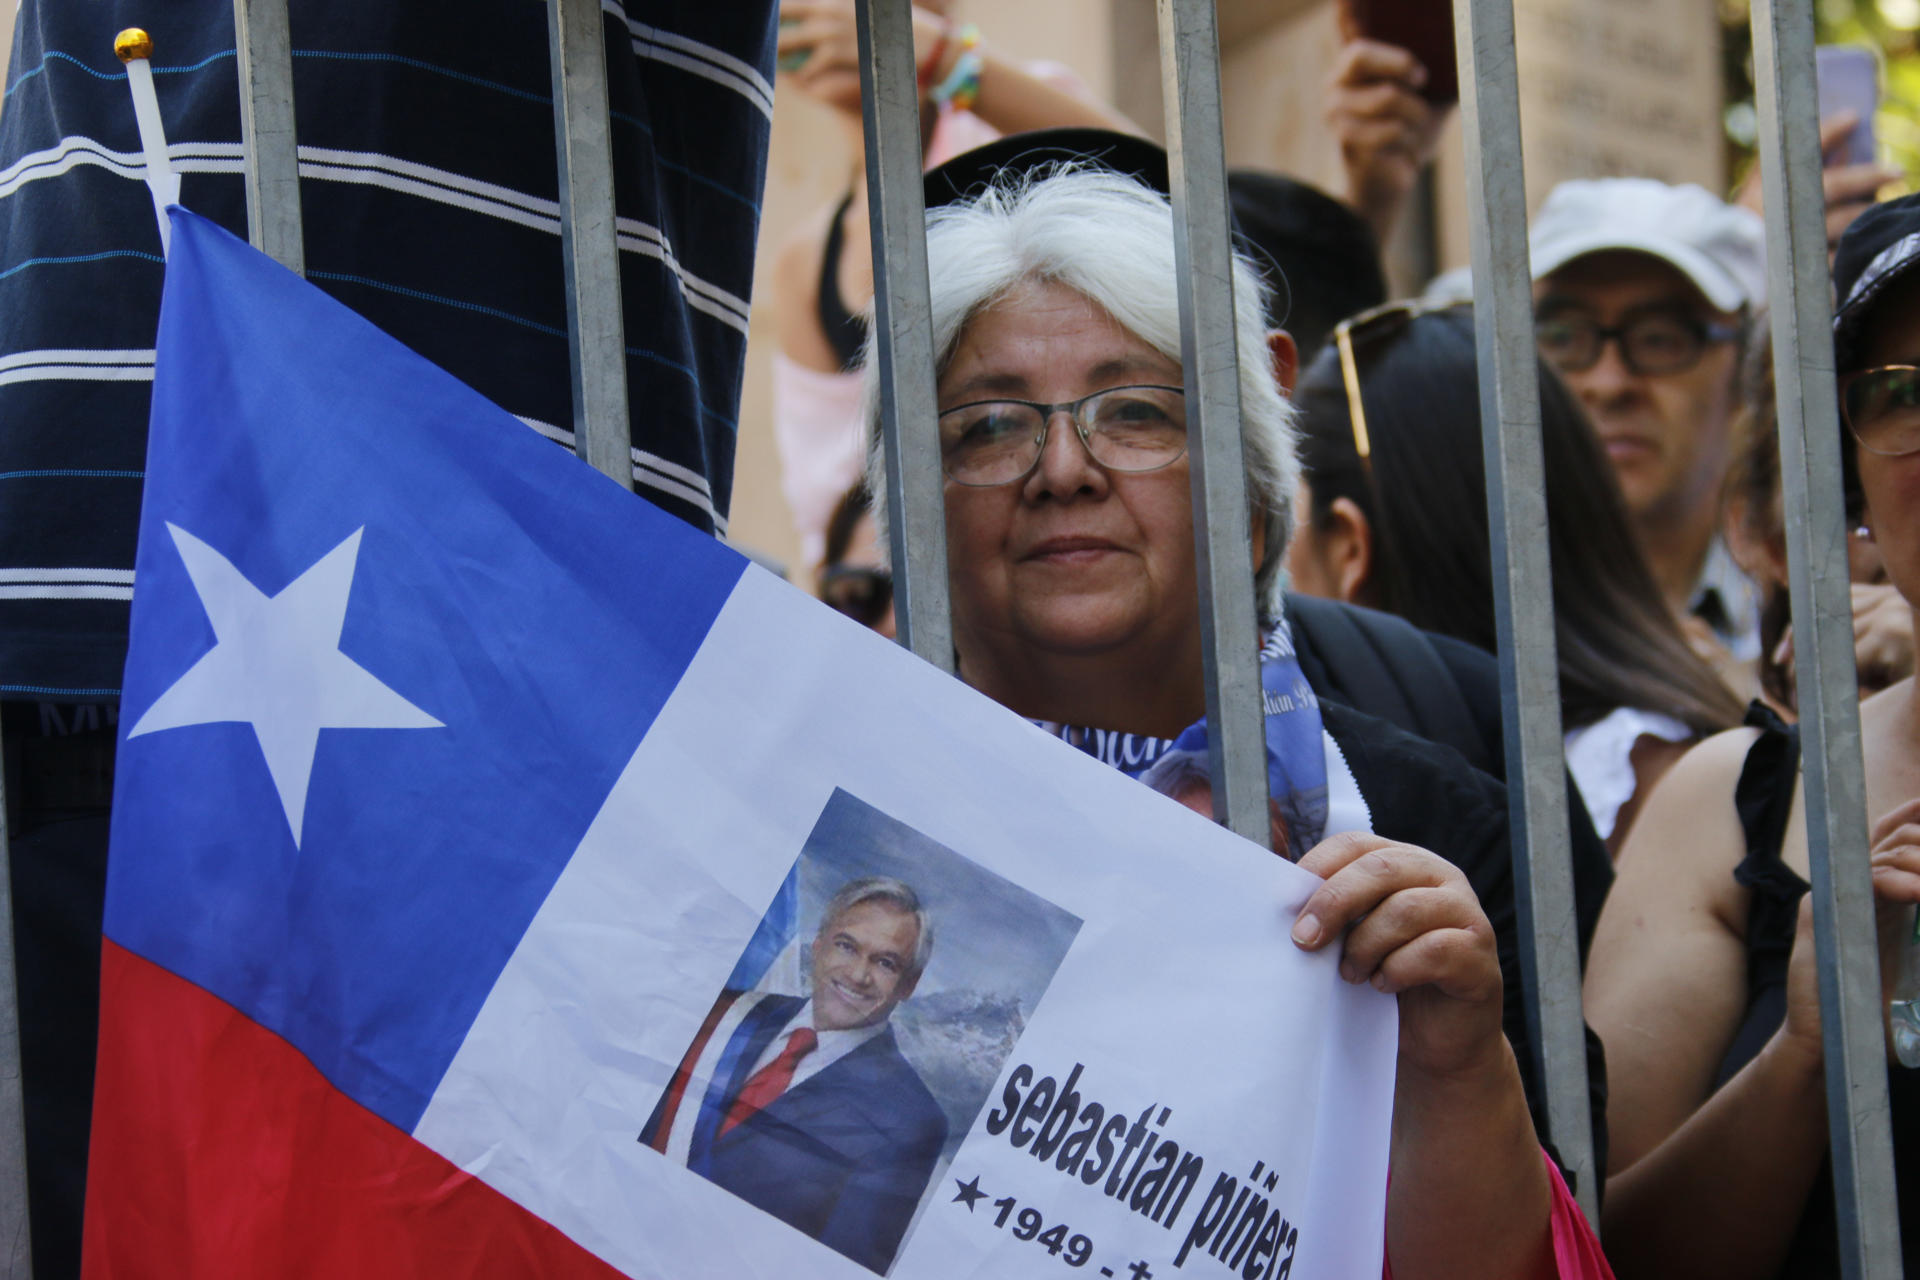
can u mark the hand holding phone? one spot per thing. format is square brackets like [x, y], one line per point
[1424, 28]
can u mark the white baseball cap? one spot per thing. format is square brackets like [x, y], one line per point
[1720, 247]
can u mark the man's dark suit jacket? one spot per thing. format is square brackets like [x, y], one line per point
[843, 1156]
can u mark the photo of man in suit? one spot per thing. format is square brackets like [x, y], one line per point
[804, 1106]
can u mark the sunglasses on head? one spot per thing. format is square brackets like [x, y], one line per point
[1373, 324]
[863, 592]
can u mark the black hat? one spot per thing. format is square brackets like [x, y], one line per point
[972, 172]
[1881, 246]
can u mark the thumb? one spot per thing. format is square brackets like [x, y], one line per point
[1834, 130]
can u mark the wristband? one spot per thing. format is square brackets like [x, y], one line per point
[961, 89]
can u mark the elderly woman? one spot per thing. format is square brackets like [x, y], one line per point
[1071, 553]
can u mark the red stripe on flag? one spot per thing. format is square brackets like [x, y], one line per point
[219, 1150]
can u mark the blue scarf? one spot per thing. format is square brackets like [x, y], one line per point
[1296, 755]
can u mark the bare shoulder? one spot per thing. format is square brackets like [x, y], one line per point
[1666, 973]
[1687, 838]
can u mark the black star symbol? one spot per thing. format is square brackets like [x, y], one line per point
[969, 1191]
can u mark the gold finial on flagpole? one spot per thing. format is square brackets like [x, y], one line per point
[133, 43]
[135, 47]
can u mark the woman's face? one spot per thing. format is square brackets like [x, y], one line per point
[1072, 559]
[1892, 485]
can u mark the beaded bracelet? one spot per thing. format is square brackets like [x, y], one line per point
[961, 89]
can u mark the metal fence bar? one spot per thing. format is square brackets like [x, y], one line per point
[1209, 354]
[1522, 575]
[903, 324]
[16, 1246]
[596, 343]
[265, 54]
[1858, 1120]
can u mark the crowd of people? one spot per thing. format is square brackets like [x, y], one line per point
[1074, 603]
[1070, 532]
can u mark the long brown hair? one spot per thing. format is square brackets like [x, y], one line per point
[1423, 491]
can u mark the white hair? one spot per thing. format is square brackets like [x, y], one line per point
[1109, 239]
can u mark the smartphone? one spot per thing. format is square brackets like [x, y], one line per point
[1849, 76]
[1423, 28]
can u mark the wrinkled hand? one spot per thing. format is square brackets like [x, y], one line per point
[1386, 130]
[1882, 637]
[1895, 852]
[1413, 928]
[1849, 188]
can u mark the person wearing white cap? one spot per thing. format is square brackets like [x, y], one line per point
[1643, 292]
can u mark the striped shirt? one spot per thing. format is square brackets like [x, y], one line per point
[430, 197]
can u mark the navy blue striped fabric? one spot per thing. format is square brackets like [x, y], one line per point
[429, 193]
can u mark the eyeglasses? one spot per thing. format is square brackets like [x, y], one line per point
[1881, 407]
[1371, 323]
[1129, 429]
[1652, 343]
[862, 592]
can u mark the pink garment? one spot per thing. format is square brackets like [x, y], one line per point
[1576, 1250]
[822, 444]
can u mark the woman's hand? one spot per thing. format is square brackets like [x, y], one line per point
[1896, 888]
[1413, 928]
[1385, 129]
[1408, 922]
[1882, 635]
[1882, 638]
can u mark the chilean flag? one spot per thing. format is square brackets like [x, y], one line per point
[390, 652]
[456, 786]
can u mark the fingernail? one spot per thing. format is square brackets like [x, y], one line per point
[1306, 930]
[1380, 982]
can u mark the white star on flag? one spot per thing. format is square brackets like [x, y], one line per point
[277, 665]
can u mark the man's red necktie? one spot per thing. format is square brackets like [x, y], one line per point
[771, 1080]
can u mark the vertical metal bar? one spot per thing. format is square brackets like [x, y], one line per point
[265, 50]
[1209, 352]
[1858, 1119]
[16, 1252]
[1523, 581]
[596, 343]
[903, 324]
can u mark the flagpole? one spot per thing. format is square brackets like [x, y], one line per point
[134, 47]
